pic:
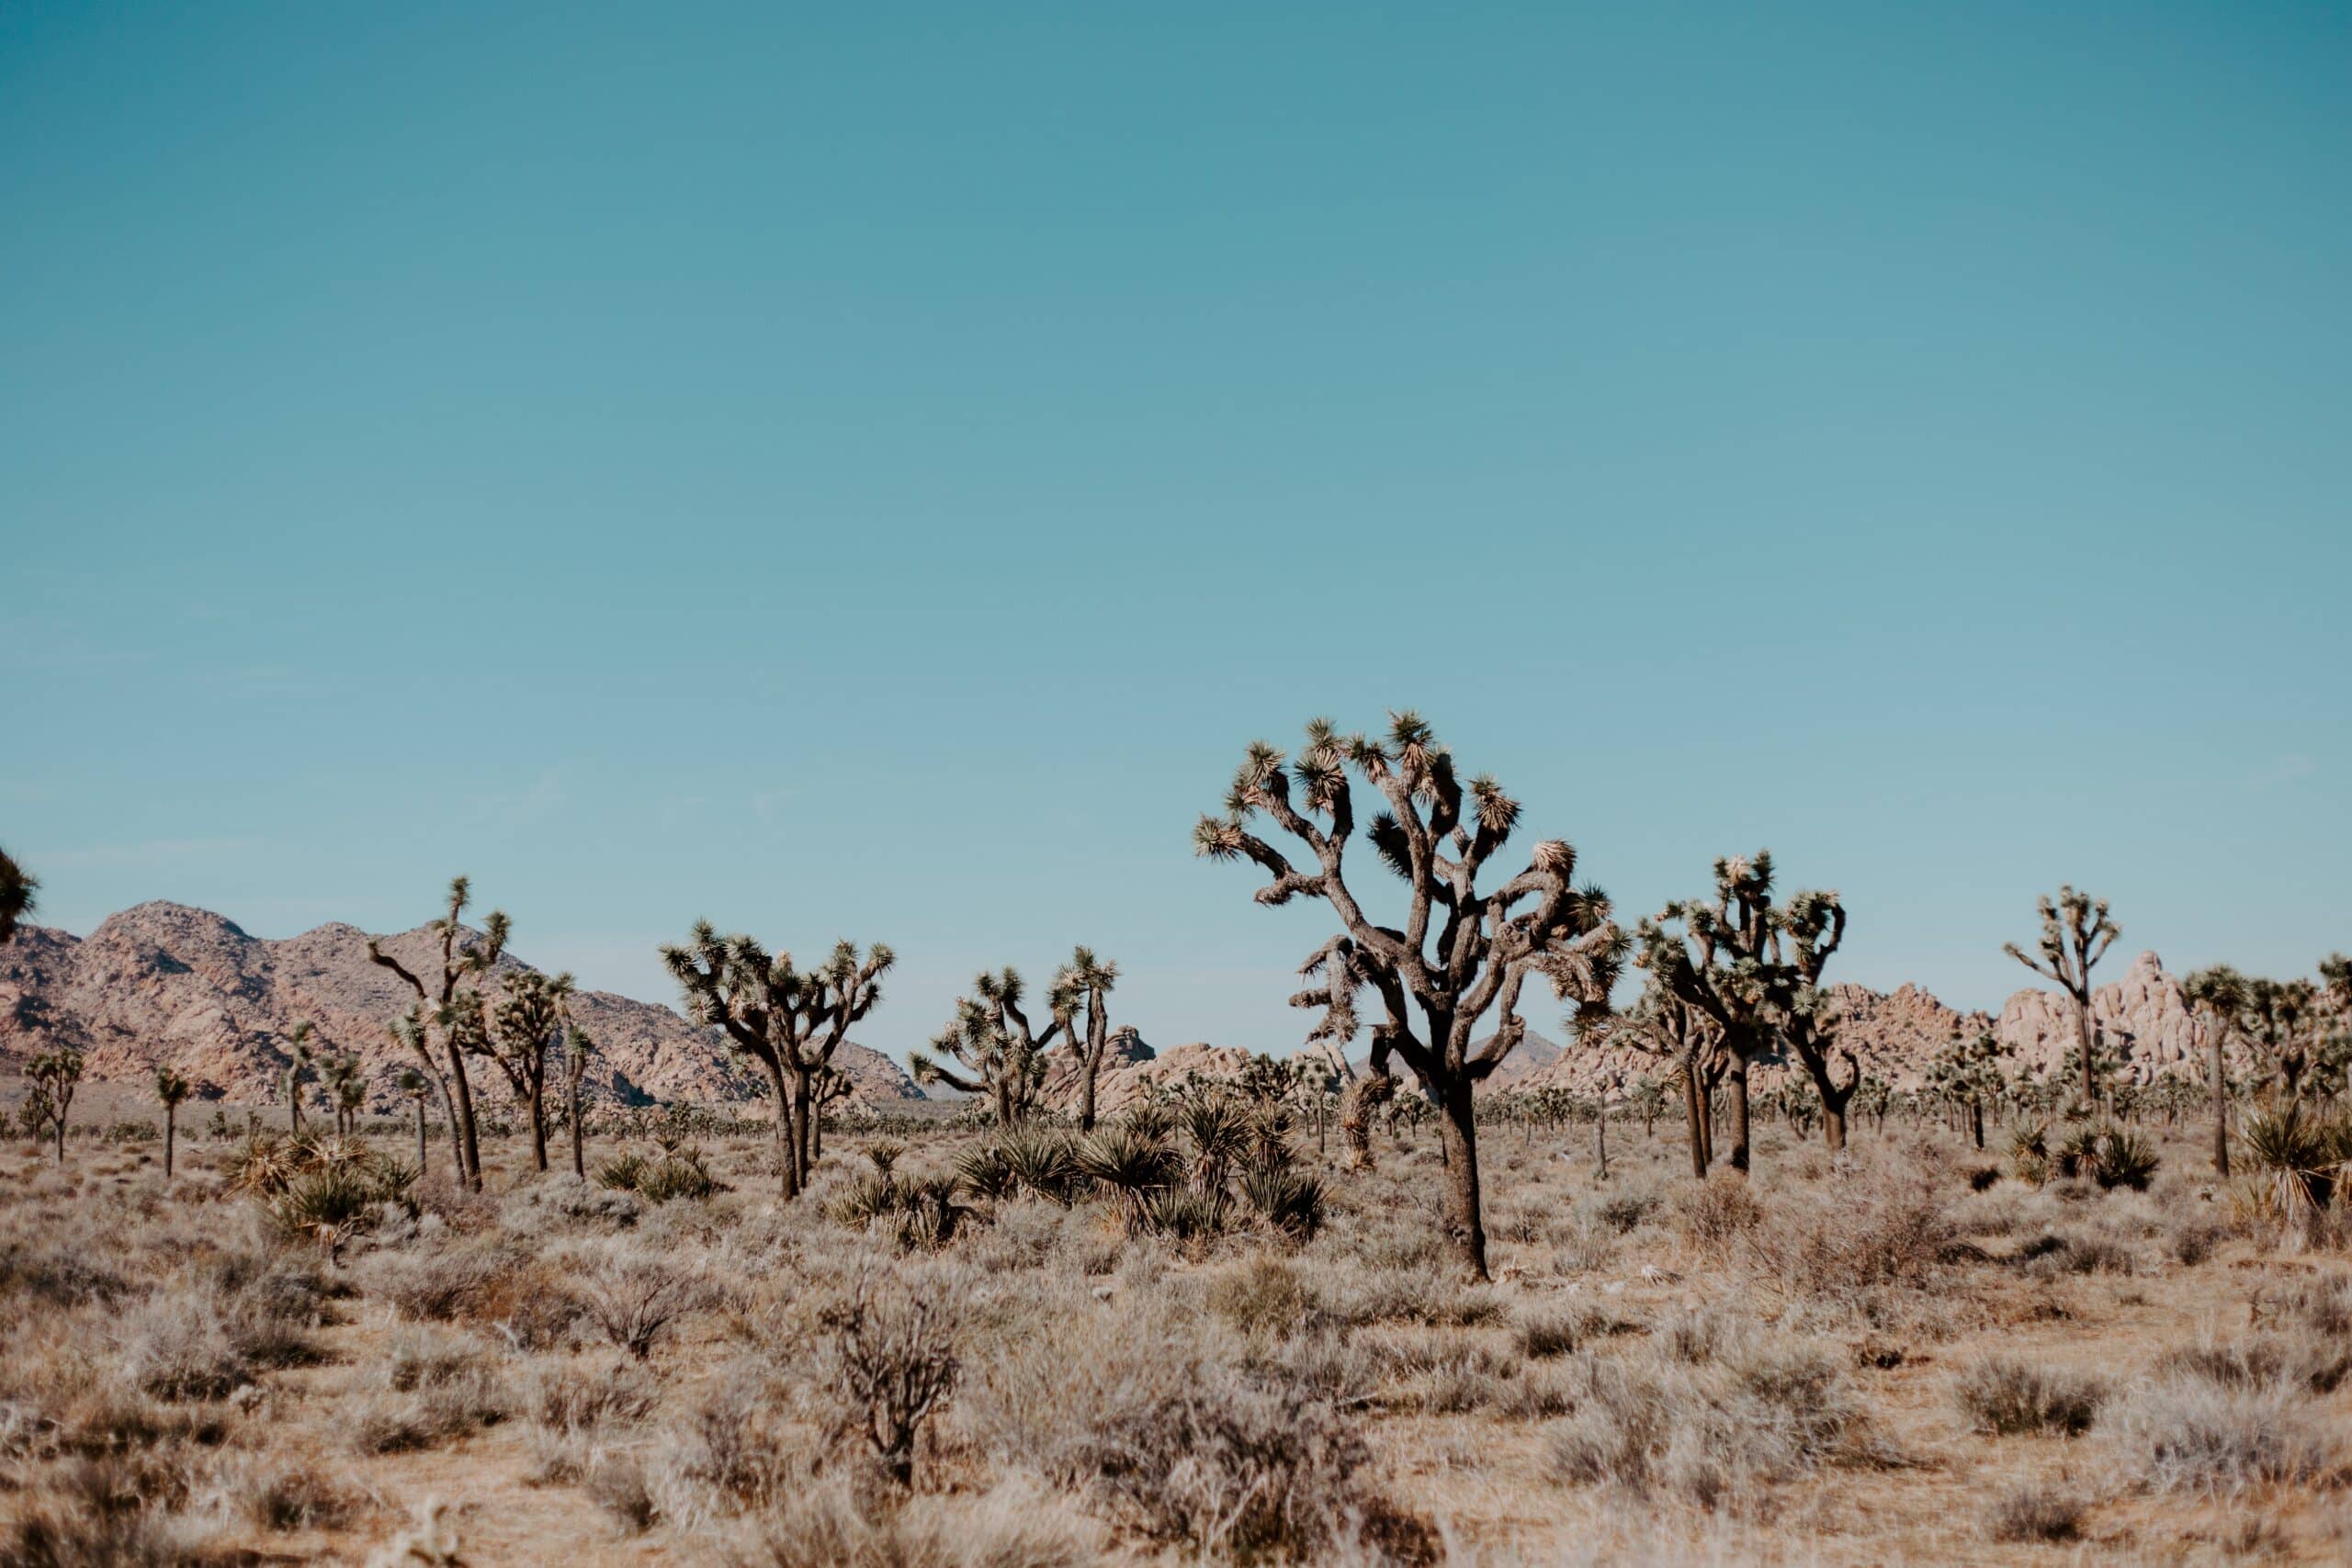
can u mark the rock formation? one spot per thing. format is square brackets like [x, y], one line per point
[166, 982]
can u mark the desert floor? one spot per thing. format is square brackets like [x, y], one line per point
[1807, 1368]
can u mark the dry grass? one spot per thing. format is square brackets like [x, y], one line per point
[1867, 1362]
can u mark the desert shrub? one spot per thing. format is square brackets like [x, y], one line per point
[277, 1495]
[98, 1513]
[2195, 1237]
[2004, 1396]
[566, 1202]
[632, 1294]
[1769, 1409]
[825, 1527]
[1408, 1295]
[1623, 1211]
[430, 1387]
[736, 1447]
[2188, 1433]
[1187, 1449]
[2028, 1514]
[1894, 1233]
[2317, 1362]
[893, 1366]
[1720, 1209]
[178, 1346]
[1261, 1295]
[1547, 1331]
[478, 1281]
[2053, 1254]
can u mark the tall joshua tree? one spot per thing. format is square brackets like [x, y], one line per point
[577, 1049]
[300, 1056]
[526, 1021]
[1457, 954]
[170, 1089]
[2076, 934]
[1088, 981]
[1811, 929]
[2280, 1019]
[49, 1080]
[1662, 1023]
[788, 1019]
[1725, 962]
[990, 1037]
[446, 1015]
[2215, 997]
[413, 1085]
[19, 891]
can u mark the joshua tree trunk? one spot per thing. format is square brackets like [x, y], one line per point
[2221, 1086]
[1737, 1077]
[469, 1142]
[171, 1136]
[1458, 1139]
[1363, 1098]
[1976, 1122]
[579, 1158]
[1600, 1139]
[420, 1135]
[1694, 1111]
[539, 1126]
[787, 1168]
[1086, 1102]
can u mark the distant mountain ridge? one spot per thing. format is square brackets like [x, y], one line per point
[163, 982]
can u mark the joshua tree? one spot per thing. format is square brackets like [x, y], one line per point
[170, 1089]
[526, 1021]
[350, 1095]
[2281, 1019]
[1968, 1075]
[1727, 964]
[1088, 980]
[448, 1014]
[1003, 1059]
[1663, 1023]
[299, 1060]
[412, 1087]
[577, 1048]
[2076, 934]
[787, 1020]
[1648, 1100]
[1812, 927]
[18, 895]
[2216, 997]
[1457, 954]
[50, 1079]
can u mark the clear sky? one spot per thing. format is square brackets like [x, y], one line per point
[868, 470]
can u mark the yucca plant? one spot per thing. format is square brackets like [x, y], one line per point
[2030, 1152]
[1150, 1119]
[1135, 1168]
[681, 1175]
[2120, 1157]
[1218, 1128]
[1187, 1213]
[2076, 1153]
[871, 1196]
[1039, 1159]
[622, 1172]
[885, 1154]
[983, 1171]
[2301, 1161]
[1291, 1201]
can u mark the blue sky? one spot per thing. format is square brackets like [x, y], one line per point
[869, 470]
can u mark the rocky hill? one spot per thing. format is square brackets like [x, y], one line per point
[167, 983]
